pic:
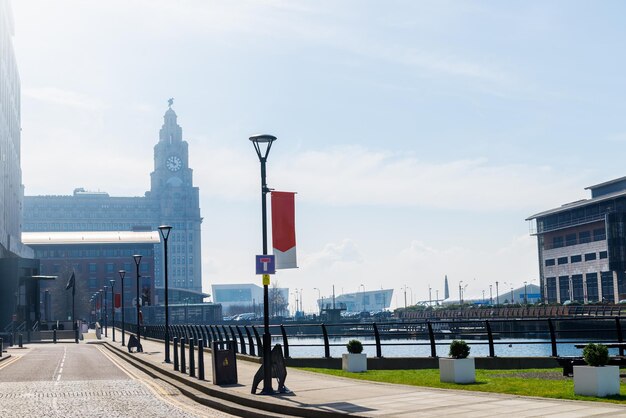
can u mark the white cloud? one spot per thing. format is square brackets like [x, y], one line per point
[333, 253]
[353, 175]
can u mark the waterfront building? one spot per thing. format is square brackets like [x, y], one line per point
[582, 247]
[367, 301]
[531, 293]
[94, 258]
[172, 200]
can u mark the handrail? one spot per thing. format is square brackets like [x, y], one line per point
[491, 332]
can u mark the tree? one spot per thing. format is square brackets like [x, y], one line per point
[278, 302]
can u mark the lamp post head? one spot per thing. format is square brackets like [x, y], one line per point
[105, 288]
[112, 283]
[137, 259]
[165, 231]
[262, 140]
[122, 274]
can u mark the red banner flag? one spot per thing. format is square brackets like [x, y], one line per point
[118, 300]
[284, 229]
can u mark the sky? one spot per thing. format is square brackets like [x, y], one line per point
[419, 135]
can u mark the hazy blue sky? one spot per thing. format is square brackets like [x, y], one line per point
[418, 134]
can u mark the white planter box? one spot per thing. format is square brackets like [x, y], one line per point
[453, 370]
[596, 381]
[354, 362]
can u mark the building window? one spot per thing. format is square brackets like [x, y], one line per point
[110, 267]
[599, 234]
[570, 239]
[603, 254]
[93, 283]
[550, 262]
[577, 288]
[551, 289]
[557, 242]
[607, 286]
[562, 260]
[564, 288]
[93, 267]
[590, 256]
[576, 259]
[584, 237]
[592, 287]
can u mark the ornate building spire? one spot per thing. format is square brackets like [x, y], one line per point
[170, 131]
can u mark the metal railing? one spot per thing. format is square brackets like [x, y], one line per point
[492, 333]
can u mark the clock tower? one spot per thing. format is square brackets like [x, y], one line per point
[177, 202]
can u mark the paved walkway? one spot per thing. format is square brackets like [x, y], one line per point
[322, 392]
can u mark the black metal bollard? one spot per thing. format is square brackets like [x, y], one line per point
[20, 341]
[175, 353]
[192, 359]
[76, 335]
[201, 360]
[54, 336]
[183, 362]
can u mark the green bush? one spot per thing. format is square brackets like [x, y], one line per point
[459, 349]
[596, 354]
[354, 347]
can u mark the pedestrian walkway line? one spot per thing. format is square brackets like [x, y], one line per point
[157, 390]
[10, 361]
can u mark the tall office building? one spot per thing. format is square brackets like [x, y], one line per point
[19, 290]
[172, 200]
[11, 189]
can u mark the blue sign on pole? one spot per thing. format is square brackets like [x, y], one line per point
[265, 264]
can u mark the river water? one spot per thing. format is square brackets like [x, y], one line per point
[514, 347]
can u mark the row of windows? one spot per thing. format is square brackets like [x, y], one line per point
[575, 288]
[110, 268]
[41, 253]
[583, 237]
[574, 259]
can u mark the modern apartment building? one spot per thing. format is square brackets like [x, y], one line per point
[582, 247]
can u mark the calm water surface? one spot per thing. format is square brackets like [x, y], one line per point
[310, 347]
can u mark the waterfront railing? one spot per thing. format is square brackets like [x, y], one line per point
[491, 336]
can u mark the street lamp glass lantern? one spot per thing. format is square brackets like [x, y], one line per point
[137, 259]
[165, 231]
[112, 283]
[262, 144]
[122, 274]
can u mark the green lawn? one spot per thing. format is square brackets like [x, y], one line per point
[546, 383]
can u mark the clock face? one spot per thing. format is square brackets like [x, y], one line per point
[173, 163]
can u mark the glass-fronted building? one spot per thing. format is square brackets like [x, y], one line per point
[582, 247]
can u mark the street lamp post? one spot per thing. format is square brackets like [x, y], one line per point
[262, 145]
[112, 308]
[101, 316]
[490, 295]
[319, 296]
[460, 293]
[165, 233]
[137, 259]
[430, 296]
[405, 297]
[106, 314]
[512, 298]
[497, 295]
[122, 274]
[525, 294]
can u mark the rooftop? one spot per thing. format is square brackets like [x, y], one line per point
[91, 237]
